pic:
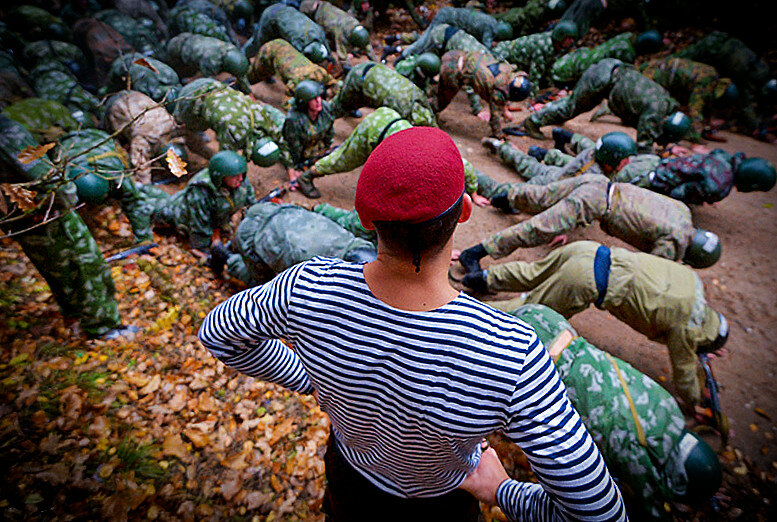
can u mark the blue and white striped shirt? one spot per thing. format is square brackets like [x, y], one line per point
[411, 394]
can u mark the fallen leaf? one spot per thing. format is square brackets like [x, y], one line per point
[145, 63]
[198, 438]
[741, 470]
[173, 445]
[176, 164]
[33, 152]
[152, 386]
[230, 488]
[753, 428]
[20, 195]
[762, 413]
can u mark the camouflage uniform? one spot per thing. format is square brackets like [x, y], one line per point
[109, 161]
[237, 120]
[534, 54]
[480, 25]
[185, 20]
[694, 84]
[51, 80]
[282, 21]
[154, 84]
[62, 250]
[197, 209]
[308, 140]
[374, 85]
[102, 45]
[190, 53]
[337, 25]
[489, 78]
[140, 34]
[649, 221]
[348, 219]
[599, 387]
[529, 19]
[659, 298]
[634, 98]
[443, 38]
[212, 11]
[45, 50]
[142, 9]
[357, 147]
[46, 120]
[280, 57]
[148, 134]
[272, 238]
[566, 71]
[33, 23]
[733, 59]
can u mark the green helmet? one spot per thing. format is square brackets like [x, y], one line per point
[676, 127]
[755, 174]
[306, 90]
[316, 52]
[693, 470]
[178, 148]
[225, 164]
[359, 37]
[90, 187]
[242, 9]
[704, 250]
[519, 89]
[563, 29]
[726, 93]
[770, 89]
[429, 63]
[265, 152]
[236, 63]
[649, 42]
[504, 31]
[614, 147]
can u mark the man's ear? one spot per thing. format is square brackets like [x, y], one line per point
[466, 208]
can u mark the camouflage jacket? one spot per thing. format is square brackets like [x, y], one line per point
[480, 25]
[692, 83]
[46, 120]
[140, 34]
[182, 19]
[154, 83]
[568, 68]
[190, 53]
[599, 387]
[102, 45]
[200, 207]
[45, 50]
[212, 11]
[531, 18]
[697, 179]
[280, 57]
[236, 119]
[283, 21]
[337, 24]
[51, 80]
[534, 54]
[443, 38]
[308, 139]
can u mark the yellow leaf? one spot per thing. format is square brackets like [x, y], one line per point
[173, 445]
[176, 164]
[145, 63]
[20, 195]
[33, 152]
[762, 413]
[753, 428]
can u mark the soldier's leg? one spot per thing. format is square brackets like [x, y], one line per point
[533, 199]
[422, 115]
[475, 103]
[526, 166]
[348, 156]
[581, 206]
[446, 89]
[557, 158]
[349, 97]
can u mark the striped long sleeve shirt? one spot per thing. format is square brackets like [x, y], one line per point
[411, 394]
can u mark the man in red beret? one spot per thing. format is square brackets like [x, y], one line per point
[412, 373]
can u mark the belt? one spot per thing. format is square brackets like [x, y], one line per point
[367, 69]
[382, 135]
[601, 274]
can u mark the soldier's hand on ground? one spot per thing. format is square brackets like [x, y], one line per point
[485, 480]
[484, 115]
[559, 240]
[701, 149]
[507, 114]
[480, 201]
[294, 174]
[199, 254]
[537, 106]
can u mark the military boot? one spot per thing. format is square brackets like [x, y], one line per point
[532, 129]
[561, 138]
[306, 187]
[491, 144]
[476, 281]
[537, 152]
[470, 258]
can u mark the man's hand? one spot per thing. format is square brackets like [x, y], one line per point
[480, 201]
[485, 480]
[199, 253]
[507, 114]
[294, 174]
[484, 115]
[559, 240]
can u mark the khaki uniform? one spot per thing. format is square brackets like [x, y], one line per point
[660, 299]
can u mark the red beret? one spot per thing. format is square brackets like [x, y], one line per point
[413, 175]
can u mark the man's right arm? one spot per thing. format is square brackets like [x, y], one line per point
[574, 481]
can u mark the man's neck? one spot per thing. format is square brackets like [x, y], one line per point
[393, 280]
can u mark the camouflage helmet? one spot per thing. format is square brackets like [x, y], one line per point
[224, 164]
[693, 471]
[236, 63]
[704, 249]
[562, 30]
[675, 127]
[504, 31]
[755, 174]
[177, 148]
[649, 42]
[242, 9]
[519, 89]
[90, 187]
[306, 90]
[265, 152]
[316, 52]
[726, 93]
[429, 63]
[614, 147]
[359, 37]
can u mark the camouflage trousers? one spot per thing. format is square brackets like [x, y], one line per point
[560, 207]
[68, 258]
[529, 168]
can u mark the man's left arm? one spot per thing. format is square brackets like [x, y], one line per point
[245, 331]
